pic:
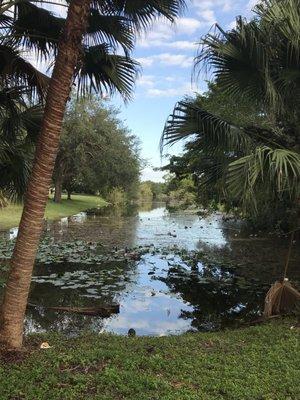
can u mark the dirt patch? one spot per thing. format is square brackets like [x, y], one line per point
[83, 369]
[13, 356]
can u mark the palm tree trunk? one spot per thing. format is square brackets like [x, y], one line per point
[31, 225]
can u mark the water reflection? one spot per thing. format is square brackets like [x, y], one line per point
[152, 223]
[158, 295]
[161, 293]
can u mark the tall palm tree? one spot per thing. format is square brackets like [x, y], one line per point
[71, 50]
[258, 60]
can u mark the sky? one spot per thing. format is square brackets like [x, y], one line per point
[166, 54]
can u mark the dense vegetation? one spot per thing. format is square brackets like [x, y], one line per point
[243, 147]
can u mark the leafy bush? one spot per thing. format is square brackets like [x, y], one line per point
[117, 197]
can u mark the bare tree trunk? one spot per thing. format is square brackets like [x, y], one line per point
[69, 194]
[58, 188]
[30, 229]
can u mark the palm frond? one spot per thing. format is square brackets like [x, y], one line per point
[239, 60]
[106, 72]
[16, 71]
[189, 120]
[142, 12]
[275, 170]
[15, 167]
[111, 29]
[36, 29]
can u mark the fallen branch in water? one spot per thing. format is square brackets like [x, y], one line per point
[103, 311]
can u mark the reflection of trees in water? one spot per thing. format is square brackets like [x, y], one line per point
[46, 320]
[220, 296]
[264, 256]
[106, 287]
[111, 226]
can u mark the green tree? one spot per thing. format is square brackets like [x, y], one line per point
[258, 163]
[75, 55]
[145, 192]
[96, 152]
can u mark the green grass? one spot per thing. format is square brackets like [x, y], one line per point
[255, 363]
[10, 215]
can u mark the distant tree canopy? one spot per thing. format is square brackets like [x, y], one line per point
[97, 153]
[152, 191]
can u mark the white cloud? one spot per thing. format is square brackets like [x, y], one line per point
[145, 61]
[182, 45]
[187, 26]
[152, 175]
[179, 60]
[206, 9]
[224, 5]
[185, 89]
[163, 32]
[170, 78]
[146, 80]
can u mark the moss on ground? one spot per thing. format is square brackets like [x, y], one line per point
[10, 215]
[254, 363]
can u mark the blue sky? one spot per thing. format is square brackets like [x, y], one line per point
[166, 54]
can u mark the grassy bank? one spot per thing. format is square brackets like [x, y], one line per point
[255, 363]
[10, 215]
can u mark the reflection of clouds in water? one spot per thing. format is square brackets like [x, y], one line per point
[32, 326]
[13, 233]
[186, 230]
[212, 232]
[81, 217]
[155, 213]
[64, 222]
[149, 314]
[157, 327]
[147, 305]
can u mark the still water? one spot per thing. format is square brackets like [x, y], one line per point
[198, 273]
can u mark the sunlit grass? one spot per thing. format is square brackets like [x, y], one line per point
[10, 215]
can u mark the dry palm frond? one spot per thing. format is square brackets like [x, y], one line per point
[281, 298]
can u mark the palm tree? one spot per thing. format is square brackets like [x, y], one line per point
[73, 54]
[258, 61]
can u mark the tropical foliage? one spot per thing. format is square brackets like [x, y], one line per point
[254, 162]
